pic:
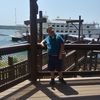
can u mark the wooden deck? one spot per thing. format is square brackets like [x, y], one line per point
[75, 89]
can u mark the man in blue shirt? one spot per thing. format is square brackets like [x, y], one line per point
[55, 46]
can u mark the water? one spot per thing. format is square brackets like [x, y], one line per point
[6, 39]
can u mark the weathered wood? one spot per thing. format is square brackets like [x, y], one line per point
[74, 21]
[10, 60]
[32, 54]
[14, 49]
[12, 75]
[27, 22]
[40, 27]
[79, 33]
[79, 28]
[39, 40]
[82, 46]
[75, 89]
[71, 73]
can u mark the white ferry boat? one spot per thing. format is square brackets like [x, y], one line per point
[91, 30]
[68, 27]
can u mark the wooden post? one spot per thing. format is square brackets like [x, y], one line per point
[40, 27]
[32, 54]
[79, 27]
[40, 39]
[85, 60]
[11, 73]
[10, 60]
[76, 62]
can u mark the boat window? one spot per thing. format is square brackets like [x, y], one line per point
[62, 25]
[57, 30]
[66, 31]
[62, 31]
[66, 26]
[88, 27]
[53, 25]
[57, 25]
[89, 31]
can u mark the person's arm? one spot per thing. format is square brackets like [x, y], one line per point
[61, 51]
[41, 44]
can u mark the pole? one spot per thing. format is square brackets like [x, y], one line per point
[79, 27]
[40, 39]
[33, 39]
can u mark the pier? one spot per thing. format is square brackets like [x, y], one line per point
[29, 78]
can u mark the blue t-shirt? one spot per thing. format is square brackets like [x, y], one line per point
[53, 44]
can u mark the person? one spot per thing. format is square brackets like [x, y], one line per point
[55, 46]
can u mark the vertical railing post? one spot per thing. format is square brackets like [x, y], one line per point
[10, 60]
[11, 73]
[40, 26]
[40, 39]
[32, 54]
[76, 62]
[85, 60]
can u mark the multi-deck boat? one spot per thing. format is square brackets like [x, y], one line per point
[61, 26]
[90, 30]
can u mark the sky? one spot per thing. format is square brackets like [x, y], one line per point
[16, 11]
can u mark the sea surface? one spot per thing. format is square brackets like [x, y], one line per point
[5, 37]
[6, 40]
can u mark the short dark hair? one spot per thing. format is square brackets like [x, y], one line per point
[49, 28]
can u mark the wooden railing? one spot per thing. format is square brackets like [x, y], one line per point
[16, 73]
[76, 57]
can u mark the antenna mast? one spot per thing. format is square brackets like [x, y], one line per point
[15, 17]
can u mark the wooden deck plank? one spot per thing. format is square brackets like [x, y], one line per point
[42, 91]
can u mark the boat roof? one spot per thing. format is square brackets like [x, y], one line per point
[74, 36]
[90, 39]
[58, 33]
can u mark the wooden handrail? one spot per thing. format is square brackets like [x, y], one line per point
[14, 49]
[82, 46]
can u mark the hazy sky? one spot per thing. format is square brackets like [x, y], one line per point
[88, 9]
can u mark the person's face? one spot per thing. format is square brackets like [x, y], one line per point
[51, 31]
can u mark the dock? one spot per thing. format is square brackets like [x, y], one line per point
[87, 88]
[28, 80]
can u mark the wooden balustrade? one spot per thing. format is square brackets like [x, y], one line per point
[14, 49]
[15, 73]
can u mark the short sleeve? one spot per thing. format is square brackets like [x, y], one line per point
[45, 41]
[61, 40]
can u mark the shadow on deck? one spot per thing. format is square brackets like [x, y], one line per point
[73, 90]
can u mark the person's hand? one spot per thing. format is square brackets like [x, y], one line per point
[40, 44]
[60, 56]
